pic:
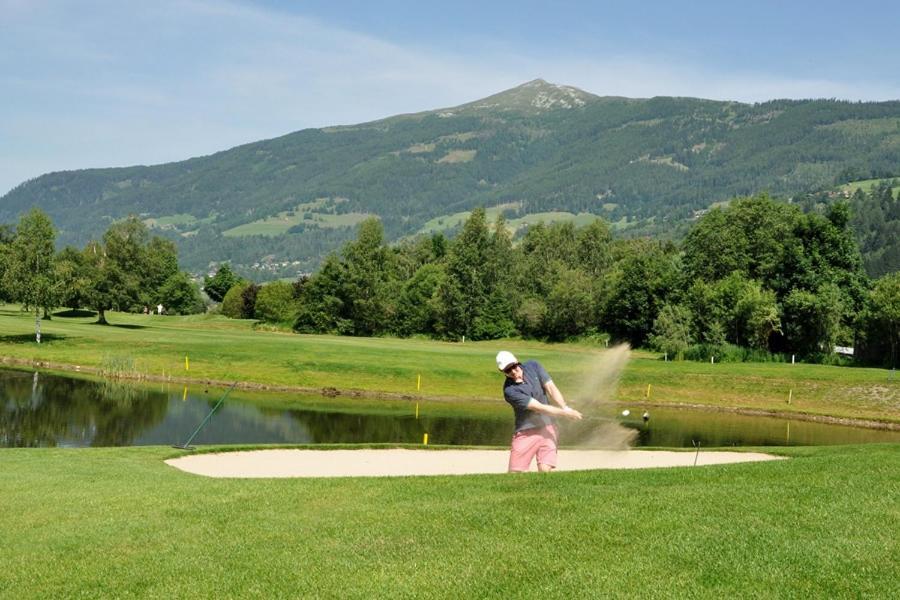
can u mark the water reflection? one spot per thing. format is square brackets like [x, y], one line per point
[45, 410]
[37, 409]
[680, 428]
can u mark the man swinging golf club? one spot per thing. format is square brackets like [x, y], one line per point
[526, 389]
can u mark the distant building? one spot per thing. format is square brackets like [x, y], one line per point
[844, 350]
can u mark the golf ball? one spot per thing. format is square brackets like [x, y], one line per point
[626, 412]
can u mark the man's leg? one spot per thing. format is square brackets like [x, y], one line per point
[524, 446]
[546, 450]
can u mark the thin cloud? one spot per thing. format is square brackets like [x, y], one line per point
[97, 84]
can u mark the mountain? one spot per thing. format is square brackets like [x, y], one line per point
[537, 148]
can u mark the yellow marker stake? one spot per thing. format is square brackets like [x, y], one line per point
[790, 396]
[425, 440]
[648, 390]
[184, 395]
[417, 410]
[187, 365]
[418, 383]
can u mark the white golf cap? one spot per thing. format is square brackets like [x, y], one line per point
[505, 359]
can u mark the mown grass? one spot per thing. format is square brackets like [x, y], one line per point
[118, 522]
[227, 350]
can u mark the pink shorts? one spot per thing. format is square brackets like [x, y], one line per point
[528, 443]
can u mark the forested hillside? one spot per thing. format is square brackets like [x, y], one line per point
[643, 165]
[875, 220]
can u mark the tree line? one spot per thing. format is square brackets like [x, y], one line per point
[125, 270]
[757, 280]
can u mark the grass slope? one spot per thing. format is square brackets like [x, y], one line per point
[119, 523]
[866, 185]
[221, 349]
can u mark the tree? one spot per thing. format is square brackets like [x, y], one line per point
[570, 306]
[712, 250]
[7, 235]
[672, 331]
[73, 278]
[128, 271]
[884, 315]
[753, 236]
[218, 285]
[124, 246]
[248, 301]
[812, 320]
[275, 302]
[180, 295]
[474, 299]
[323, 308]
[417, 308]
[240, 301]
[745, 313]
[593, 242]
[636, 290]
[758, 316]
[371, 284]
[29, 275]
[160, 265]
[530, 316]
[106, 281]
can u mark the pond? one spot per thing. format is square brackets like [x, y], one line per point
[39, 409]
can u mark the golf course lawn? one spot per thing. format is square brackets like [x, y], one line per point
[225, 350]
[118, 522]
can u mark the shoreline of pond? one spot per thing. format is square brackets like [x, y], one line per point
[332, 392]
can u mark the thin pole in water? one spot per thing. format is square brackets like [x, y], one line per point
[186, 445]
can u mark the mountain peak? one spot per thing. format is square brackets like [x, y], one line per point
[535, 96]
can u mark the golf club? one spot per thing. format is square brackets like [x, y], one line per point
[186, 445]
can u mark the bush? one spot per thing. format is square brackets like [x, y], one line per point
[218, 285]
[180, 296]
[729, 353]
[275, 302]
[239, 302]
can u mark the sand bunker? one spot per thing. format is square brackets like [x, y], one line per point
[400, 462]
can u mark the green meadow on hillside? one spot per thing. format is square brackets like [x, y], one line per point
[866, 185]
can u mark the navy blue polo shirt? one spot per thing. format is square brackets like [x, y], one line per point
[519, 394]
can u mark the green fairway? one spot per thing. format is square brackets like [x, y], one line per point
[119, 523]
[221, 349]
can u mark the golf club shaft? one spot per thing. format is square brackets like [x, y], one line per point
[221, 400]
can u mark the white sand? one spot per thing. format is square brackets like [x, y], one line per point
[399, 462]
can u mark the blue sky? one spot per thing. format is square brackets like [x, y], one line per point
[97, 83]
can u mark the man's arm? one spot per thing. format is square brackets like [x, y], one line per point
[555, 394]
[569, 413]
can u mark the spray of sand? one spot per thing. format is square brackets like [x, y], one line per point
[593, 398]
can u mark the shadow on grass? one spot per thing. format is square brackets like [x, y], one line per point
[72, 313]
[28, 338]
[122, 325]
